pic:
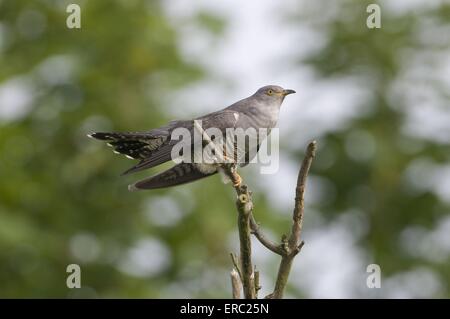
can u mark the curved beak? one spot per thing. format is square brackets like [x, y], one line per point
[287, 92]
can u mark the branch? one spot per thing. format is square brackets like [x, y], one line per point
[236, 284]
[236, 265]
[263, 239]
[230, 171]
[257, 286]
[291, 246]
[244, 207]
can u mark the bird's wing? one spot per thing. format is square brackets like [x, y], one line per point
[244, 146]
[179, 174]
[221, 120]
[154, 147]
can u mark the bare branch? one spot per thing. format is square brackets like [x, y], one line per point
[294, 239]
[244, 206]
[236, 284]
[257, 286]
[292, 245]
[236, 265]
[243, 272]
[263, 239]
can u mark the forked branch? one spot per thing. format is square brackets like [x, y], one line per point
[292, 245]
[243, 273]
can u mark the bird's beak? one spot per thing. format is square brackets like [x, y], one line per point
[287, 92]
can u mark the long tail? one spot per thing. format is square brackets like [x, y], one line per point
[179, 174]
[136, 145]
[151, 148]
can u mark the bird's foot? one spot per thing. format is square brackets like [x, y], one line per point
[238, 181]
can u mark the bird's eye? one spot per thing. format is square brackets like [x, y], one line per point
[269, 92]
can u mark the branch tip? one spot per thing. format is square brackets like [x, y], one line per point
[292, 245]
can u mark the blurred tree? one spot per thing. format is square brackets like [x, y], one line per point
[61, 200]
[375, 153]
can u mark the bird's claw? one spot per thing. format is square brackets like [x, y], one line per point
[238, 181]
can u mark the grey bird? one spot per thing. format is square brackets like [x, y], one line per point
[154, 147]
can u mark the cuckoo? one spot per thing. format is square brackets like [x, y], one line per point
[155, 147]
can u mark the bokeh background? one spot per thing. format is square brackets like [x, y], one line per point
[376, 100]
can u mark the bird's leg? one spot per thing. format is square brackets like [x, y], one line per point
[238, 182]
[237, 179]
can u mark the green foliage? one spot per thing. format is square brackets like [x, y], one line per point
[54, 181]
[377, 186]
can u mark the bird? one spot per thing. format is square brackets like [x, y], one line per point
[154, 147]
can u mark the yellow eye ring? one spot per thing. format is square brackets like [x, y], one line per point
[269, 92]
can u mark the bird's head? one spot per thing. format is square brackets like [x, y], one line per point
[272, 94]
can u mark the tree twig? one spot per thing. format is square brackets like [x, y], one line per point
[292, 245]
[244, 274]
[244, 206]
[263, 239]
[230, 171]
[236, 265]
[236, 284]
[257, 286]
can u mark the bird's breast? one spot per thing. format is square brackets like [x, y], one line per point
[262, 117]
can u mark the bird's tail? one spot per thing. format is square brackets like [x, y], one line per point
[179, 174]
[135, 145]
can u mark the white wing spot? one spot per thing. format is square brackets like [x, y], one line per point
[236, 116]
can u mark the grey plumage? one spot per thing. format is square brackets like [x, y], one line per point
[179, 174]
[154, 147]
